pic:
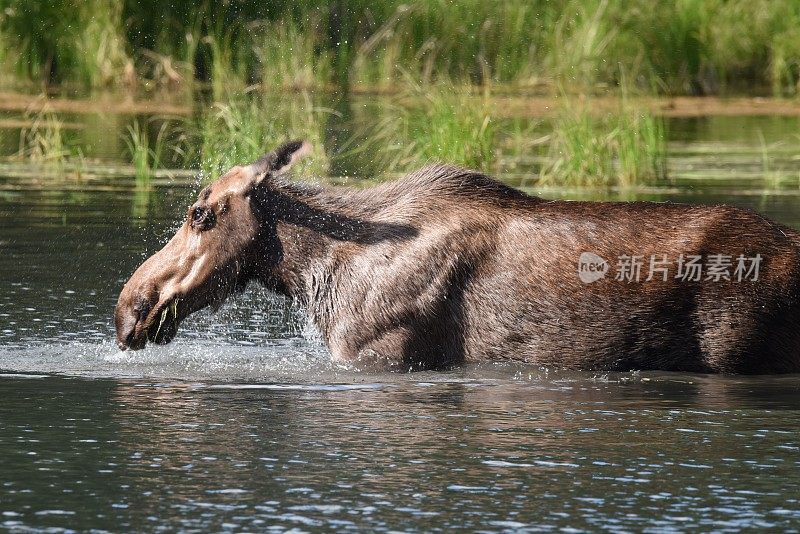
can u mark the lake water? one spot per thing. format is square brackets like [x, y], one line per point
[243, 423]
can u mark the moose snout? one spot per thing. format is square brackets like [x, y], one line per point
[125, 321]
[130, 313]
[140, 312]
[147, 312]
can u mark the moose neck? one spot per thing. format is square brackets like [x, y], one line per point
[308, 225]
[317, 230]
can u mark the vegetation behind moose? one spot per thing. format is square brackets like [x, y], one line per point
[447, 266]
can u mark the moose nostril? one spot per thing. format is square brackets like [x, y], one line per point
[125, 334]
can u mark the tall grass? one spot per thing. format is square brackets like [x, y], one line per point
[145, 156]
[244, 129]
[166, 54]
[578, 46]
[291, 58]
[675, 46]
[44, 141]
[8, 59]
[444, 123]
[228, 64]
[61, 40]
[624, 148]
[449, 125]
[425, 124]
[101, 48]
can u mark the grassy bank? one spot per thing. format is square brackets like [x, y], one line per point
[578, 145]
[268, 71]
[674, 46]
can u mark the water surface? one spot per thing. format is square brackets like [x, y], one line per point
[491, 449]
[243, 423]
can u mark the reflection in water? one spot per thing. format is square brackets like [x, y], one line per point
[141, 203]
[422, 451]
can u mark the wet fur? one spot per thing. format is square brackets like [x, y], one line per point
[447, 266]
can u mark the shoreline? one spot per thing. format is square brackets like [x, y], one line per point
[504, 106]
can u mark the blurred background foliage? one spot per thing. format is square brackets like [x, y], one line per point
[666, 47]
[382, 86]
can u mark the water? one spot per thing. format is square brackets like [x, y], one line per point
[492, 449]
[243, 423]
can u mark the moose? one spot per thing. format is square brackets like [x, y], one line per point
[448, 266]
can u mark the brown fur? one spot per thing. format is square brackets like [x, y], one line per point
[447, 266]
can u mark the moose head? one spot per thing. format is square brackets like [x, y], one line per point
[223, 243]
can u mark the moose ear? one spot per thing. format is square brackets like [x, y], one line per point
[280, 160]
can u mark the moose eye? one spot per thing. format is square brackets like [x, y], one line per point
[202, 218]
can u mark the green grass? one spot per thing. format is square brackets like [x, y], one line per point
[440, 123]
[672, 46]
[7, 58]
[425, 124]
[438, 59]
[244, 129]
[228, 64]
[101, 57]
[288, 57]
[625, 148]
[59, 41]
[44, 141]
[579, 46]
[146, 159]
[450, 126]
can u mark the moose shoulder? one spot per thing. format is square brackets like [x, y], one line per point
[448, 266]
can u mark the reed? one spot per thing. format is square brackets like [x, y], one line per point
[291, 58]
[101, 56]
[63, 41]
[452, 126]
[439, 123]
[7, 58]
[227, 62]
[624, 148]
[44, 140]
[146, 156]
[243, 129]
[672, 46]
